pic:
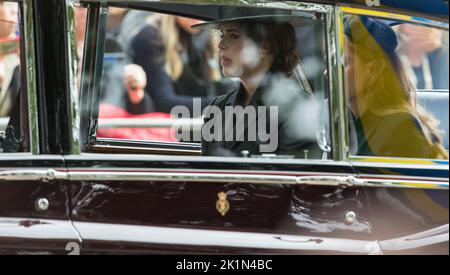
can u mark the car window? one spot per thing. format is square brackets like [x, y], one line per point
[160, 74]
[12, 135]
[396, 83]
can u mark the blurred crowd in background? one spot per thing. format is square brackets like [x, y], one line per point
[9, 56]
[154, 62]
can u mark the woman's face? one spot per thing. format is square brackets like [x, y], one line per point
[240, 56]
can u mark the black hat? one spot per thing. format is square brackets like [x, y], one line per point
[236, 14]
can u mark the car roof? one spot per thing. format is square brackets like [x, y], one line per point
[208, 9]
[431, 8]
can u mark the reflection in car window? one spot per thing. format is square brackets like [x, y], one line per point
[161, 71]
[423, 52]
[10, 135]
[389, 115]
[80, 30]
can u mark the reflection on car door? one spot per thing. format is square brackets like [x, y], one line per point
[34, 208]
[125, 203]
[410, 213]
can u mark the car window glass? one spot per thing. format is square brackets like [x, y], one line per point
[11, 136]
[396, 83]
[159, 75]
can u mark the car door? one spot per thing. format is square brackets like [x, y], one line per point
[137, 196]
[34, 203]
[407, 181]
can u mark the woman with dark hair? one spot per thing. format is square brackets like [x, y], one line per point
[262, 52]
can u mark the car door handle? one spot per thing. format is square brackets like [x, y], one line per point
[44, 175]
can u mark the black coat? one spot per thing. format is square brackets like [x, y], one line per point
[296, 135]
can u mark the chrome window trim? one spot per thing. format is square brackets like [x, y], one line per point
[393, 16]
[91, 72]
[308, 6]
[215, 159]
[398, 164]
[326, 9]
[337, 97]
[268, 172]
[30, 56]
[154, 149]
[406, 165]
[74, 90]
[396, 160]
[340, 11]
[205, 176]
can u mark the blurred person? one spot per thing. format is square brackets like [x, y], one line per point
[262, 53]
[178, 61]
[115, 17]
[388, 121]
[122, 25]
[135, 81]
[424, 56]
[135, 104]
[8, 19]
[9, 57]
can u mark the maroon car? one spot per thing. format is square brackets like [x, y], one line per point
[369, 188]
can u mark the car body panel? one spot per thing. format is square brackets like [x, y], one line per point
[24, 228]
[400, 210]
[161, 199]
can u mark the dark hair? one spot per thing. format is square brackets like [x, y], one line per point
[282, 41]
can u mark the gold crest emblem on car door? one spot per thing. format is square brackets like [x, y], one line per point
[222, 204]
